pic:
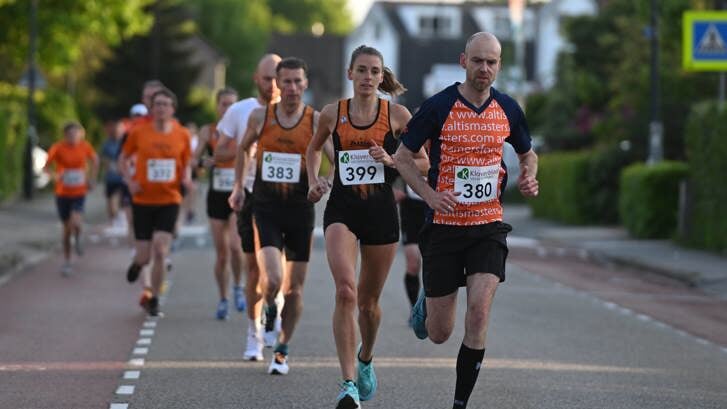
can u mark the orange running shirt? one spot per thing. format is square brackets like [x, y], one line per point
[71, 162]
[466, 151]
[161, 160]
[281, 176]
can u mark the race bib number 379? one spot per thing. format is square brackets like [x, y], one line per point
[223, 179]
[281, 167]
[476, 184]
[160, 170]
[357, 167]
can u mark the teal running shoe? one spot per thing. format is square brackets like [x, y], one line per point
[366, 381]
[419, 316]
[222, 310]
[348, 397]
[240, 301]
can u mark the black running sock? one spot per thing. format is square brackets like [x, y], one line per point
[271, 312]
[411, 283]
[133, 272]
[468, 367]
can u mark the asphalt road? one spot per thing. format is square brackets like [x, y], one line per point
[559, 339]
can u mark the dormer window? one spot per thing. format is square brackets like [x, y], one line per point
[435, 26]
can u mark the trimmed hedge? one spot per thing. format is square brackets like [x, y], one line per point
[706, 143]
[649, 199]
[580, 187]
[562, 195]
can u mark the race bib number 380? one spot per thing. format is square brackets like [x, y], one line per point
[160, 170]
[476, 184]
[281, 167]
[357, 167]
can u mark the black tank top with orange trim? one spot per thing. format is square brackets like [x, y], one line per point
[281, 178]
[357, 177]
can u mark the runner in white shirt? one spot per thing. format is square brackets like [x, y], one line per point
[231, 128]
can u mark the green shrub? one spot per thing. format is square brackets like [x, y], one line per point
[706, 142]
[649, 200]
[580, 187]
[563, 195]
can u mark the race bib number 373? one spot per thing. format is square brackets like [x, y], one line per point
[281, 167]
[357, 167]
[160, 170]
[476, 184]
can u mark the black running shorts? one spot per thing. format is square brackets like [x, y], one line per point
[413, 213]
[217, 205]
[151, 218]
[289, 229]
[451, 253]
[66, 205]
[373, 222]
[244, 225]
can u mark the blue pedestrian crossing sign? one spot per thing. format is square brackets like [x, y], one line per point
[704, 40]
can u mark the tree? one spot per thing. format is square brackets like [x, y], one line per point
[64, 28]
[602, 91]
[242, 28]
[162, 54]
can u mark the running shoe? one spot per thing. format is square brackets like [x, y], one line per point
[254, 349]
[168, 263]
[240, 301]
[133, 272]
[66, 269]
[153, 307]
[366, 377]
[271, 334]
[222, 310]
[419, 316]
[279, 365]
[348, 397]
[146, 295]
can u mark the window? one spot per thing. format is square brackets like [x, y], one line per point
[435, 26]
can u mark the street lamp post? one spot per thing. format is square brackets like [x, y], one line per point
[32, 139]
[656, 129]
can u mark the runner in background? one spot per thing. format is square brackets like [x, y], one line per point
[232, 128]
[73, 178]
[118, 200]
[223, 221]
[163, 152]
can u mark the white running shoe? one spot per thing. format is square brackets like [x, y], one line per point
[66, 269]
[254, 349]
[279, 365]
[270, 338]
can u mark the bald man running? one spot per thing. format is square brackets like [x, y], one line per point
[463, 242]
[232, 128]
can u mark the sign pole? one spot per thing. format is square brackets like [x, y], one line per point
[722, 85]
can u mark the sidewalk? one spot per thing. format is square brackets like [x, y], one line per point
[30, 230]
[701, 269]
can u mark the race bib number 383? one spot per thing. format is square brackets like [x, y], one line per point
[476, 184]
[357, 167]
[281, 167]
[160, 170]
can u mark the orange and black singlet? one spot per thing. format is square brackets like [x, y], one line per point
[357, 175]
[281, 177]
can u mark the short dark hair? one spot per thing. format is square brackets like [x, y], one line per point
[226, 91]
[292, 63]
[167, 93]
[70, 126]
[152, 83]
